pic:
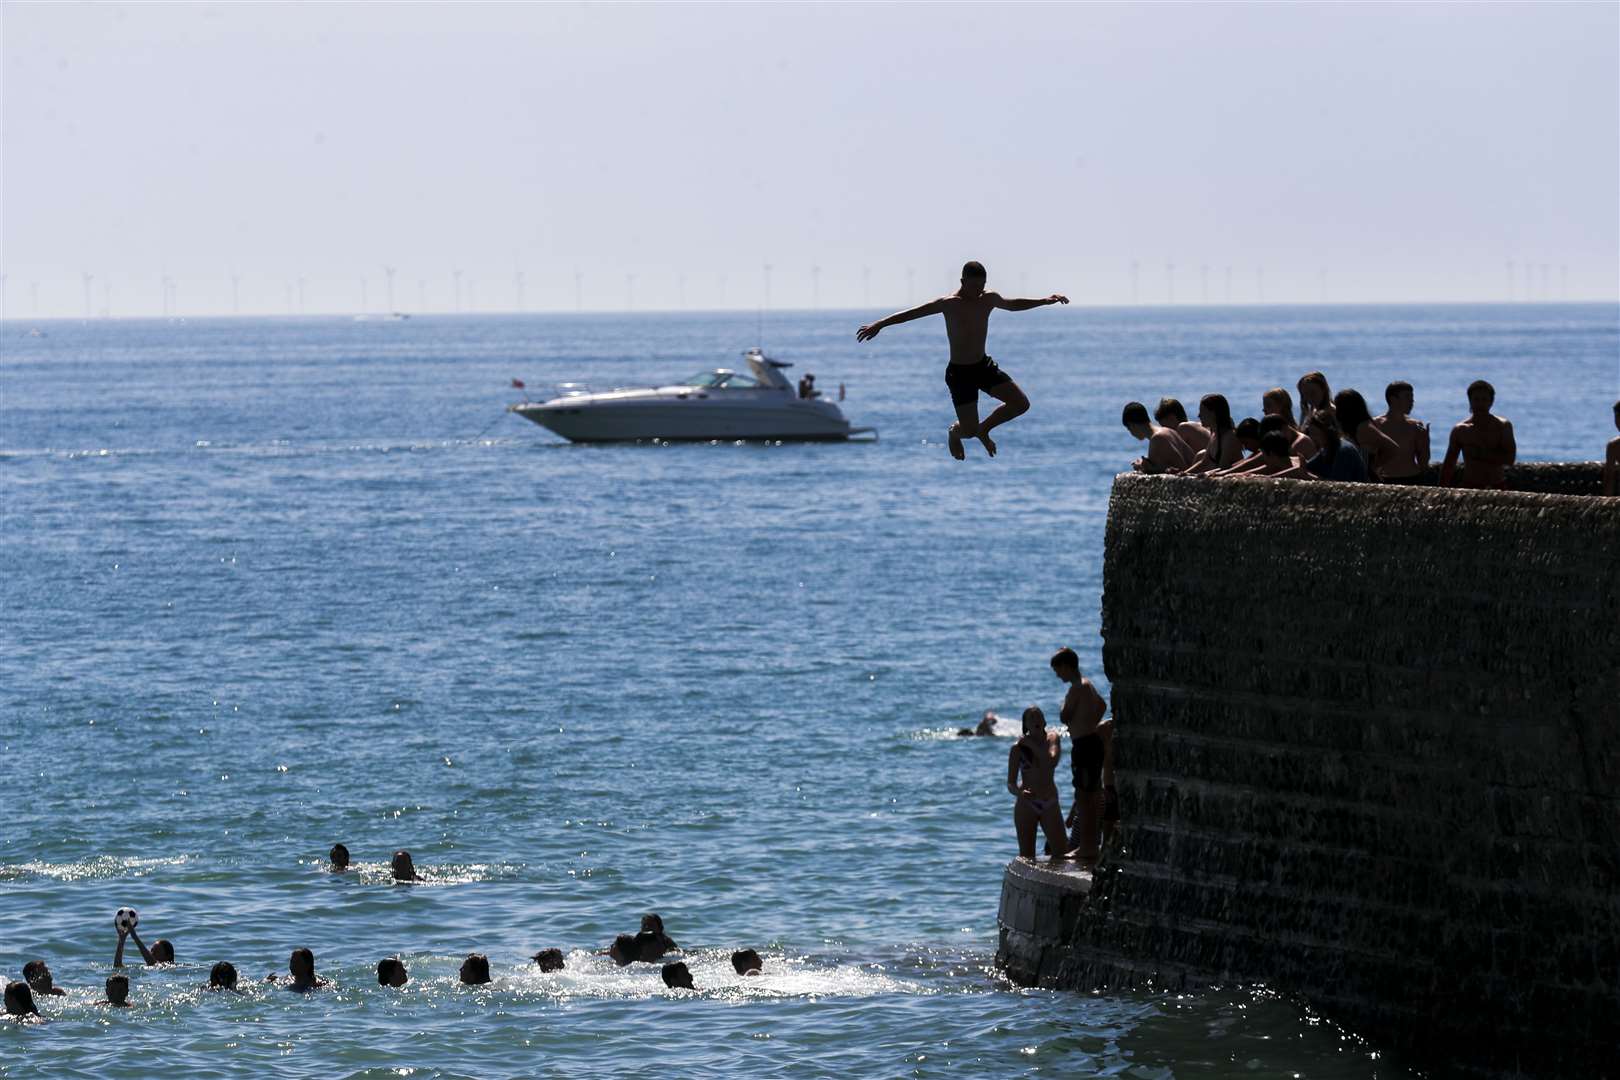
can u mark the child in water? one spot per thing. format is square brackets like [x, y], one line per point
[1030, 765]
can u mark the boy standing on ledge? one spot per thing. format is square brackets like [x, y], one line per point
[1091, 757]
[1485, 442]
[967, 323]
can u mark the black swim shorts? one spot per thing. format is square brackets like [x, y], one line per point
[1086, 762]
[966, 380]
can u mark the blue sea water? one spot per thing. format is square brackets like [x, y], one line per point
[269, 584]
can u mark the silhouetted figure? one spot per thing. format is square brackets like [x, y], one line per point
[549, 959]
[1091, 739]
[1410, 461]
[970, 371]
[117, 992]
[37, 974]
[677, 976]
[339, 856]
[391, 972]
[747, 962]
[475, 969]
[1171, 414]
[403, 869]
[1611, 459]
[1485, 442]
[1030, 765]
[222, 976]
[1167, 452]
[20, 1002]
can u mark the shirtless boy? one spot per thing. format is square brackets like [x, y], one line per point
[1171, 413]
[1411, 437]
[967, 323]
[1030, 765]
[1611, 460]
[1167, 451]
[1485, 442]
[1091, 739]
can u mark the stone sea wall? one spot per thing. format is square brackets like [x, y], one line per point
[1369, 753]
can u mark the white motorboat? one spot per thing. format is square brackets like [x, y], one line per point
[719, 404]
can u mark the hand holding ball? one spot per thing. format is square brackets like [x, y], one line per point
[126, 920]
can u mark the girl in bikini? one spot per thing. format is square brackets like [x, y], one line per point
[1030, 765]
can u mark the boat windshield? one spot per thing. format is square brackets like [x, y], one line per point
[716, 380]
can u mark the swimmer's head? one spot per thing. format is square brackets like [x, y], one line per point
[475, 969]
[20, 1000]
[549, 959]
[677, 976]
[162, 951]
[391, 972]
[1066, 664]
[37, 974]
[973, 278]
[652, 923]
[301, 965]
[118, 989]
[746, 962]
[1034, 720]
[624, 949]
[222, 976]
[1481, 395]
[403, 868]
[339, 856]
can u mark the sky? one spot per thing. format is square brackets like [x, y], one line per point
[276, 158]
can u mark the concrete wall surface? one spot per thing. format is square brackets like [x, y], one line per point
[1369, 753]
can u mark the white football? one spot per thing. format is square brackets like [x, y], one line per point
[126, 920]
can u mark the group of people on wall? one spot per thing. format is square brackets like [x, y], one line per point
[1336, 437]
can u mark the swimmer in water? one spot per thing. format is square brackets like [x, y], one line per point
[403, 869]
[222, 976]
[1030, 764]
[339, 856]
[747, 962]
[117, 992]
[651, 942]
[391, 972]
[475, 969]
[301, 975]
[37, 974]
[987, 726]
[549, 959]
[161, 952]
[20, 1004]
[624, 950]
[677, 976]
[971, 371]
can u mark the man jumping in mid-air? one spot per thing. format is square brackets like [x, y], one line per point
[967, 321]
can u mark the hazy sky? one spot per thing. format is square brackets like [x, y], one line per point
[1358, 151]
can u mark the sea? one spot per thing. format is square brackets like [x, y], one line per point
[271, 584]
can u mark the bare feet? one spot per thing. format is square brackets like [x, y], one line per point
[989, 445]
[956, 444]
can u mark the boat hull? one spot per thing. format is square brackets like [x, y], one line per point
[687, 421]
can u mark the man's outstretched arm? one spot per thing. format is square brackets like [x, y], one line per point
[1025, 303]
[870, 330]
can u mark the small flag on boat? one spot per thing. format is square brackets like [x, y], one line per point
[517, 384]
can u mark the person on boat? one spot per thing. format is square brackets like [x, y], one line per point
[1485, 442]
[970, 370]
[807, 387]
[1030, 765]
[1167, 452]
[747, 962]
[1091, 738]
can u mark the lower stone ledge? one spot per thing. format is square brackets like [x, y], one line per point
[1040, 903]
